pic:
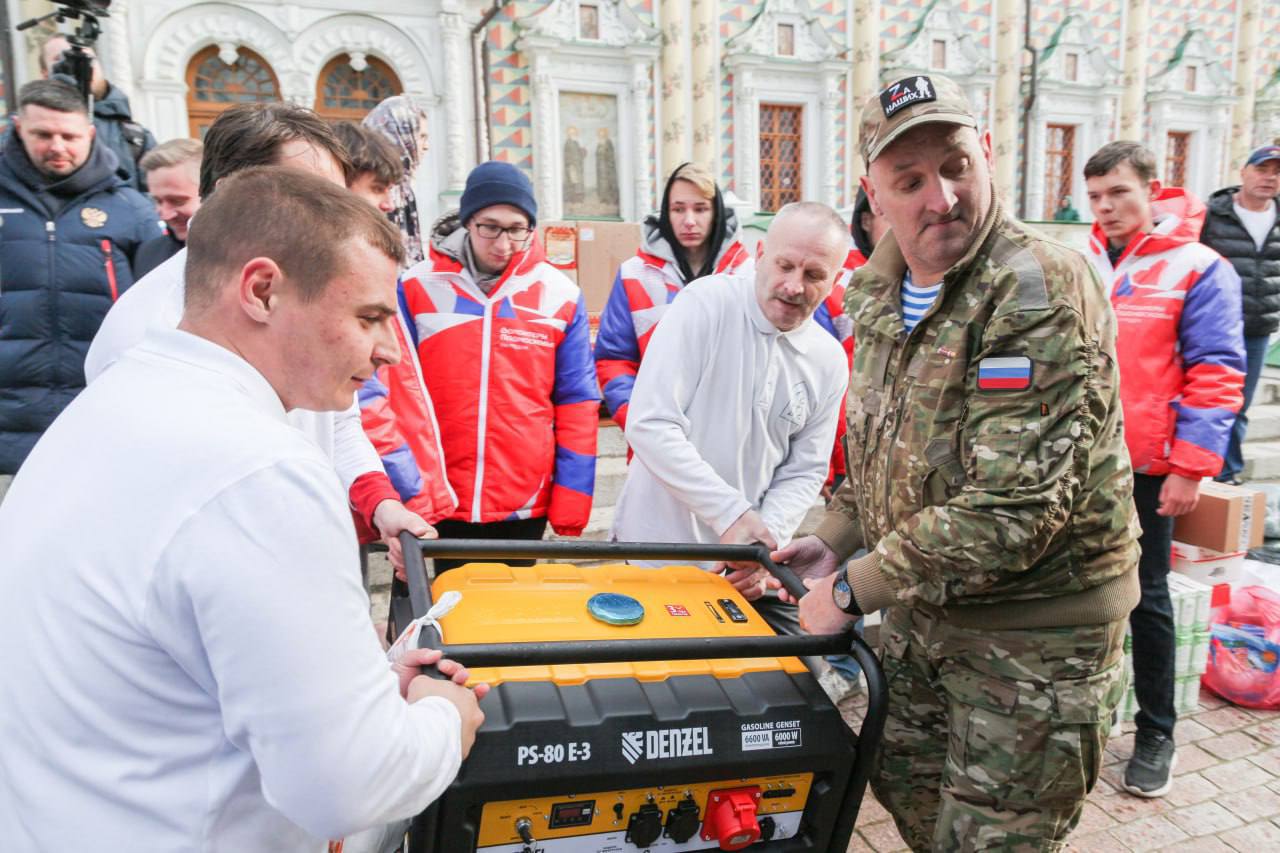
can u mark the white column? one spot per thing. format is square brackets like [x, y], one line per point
[675, 32]
[1246, 85]
[1007, 96]
[1132, 102]
[640, 79]
[544, 111]
[706, 84]
[457, 92]
[117, 32]
[746, 148]
[828, 105]
[866, 74]
[164, 102]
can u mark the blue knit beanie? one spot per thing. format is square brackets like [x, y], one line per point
[493, 183]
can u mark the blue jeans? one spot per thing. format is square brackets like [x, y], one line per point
[845, 664]
[1255, 350]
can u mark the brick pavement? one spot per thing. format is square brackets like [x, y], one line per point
[1226, 792]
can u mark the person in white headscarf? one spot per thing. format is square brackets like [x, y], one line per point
[402, 119]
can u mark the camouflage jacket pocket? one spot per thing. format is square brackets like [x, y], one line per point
[945, 477]
[1090, 699]
[1004, 454]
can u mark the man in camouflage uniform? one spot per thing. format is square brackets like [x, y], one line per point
[989, 480]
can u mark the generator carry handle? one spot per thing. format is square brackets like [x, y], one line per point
[626, 651]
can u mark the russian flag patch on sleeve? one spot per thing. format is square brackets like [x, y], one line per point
[1004, 373]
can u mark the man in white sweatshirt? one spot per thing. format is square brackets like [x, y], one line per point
[167, 689]
[736, 404]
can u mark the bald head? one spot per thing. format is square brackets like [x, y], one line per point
[804, 251]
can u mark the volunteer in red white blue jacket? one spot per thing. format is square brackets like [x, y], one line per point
[693, 235]
[1180, 348]
[503, 341]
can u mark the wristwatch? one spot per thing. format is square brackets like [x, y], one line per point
[842, 593]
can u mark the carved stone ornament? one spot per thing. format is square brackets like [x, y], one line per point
[619, 24]
[940, 21]
[1212, 79]
[812, 43]
[1074, 37]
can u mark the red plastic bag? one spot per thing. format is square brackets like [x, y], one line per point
[1244, 649]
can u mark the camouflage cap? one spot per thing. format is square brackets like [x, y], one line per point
[910, 102]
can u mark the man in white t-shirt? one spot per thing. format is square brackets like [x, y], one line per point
[1243, 226]
[166, 687]
[735, 406]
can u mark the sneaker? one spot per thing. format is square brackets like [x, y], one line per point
[1150, 770]
[838, 686]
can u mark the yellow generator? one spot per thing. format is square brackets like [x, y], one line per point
[635, 709]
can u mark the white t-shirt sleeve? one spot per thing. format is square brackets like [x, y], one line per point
[798, 480]
[258, 597]
[353, 453]
[658, 425]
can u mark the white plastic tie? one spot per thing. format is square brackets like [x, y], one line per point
[408, 638]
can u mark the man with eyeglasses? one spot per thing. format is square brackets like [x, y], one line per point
[503, 341]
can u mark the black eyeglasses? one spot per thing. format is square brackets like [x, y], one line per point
[490, 231]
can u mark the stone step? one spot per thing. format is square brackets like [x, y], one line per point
[610, 441]
[1268, 390]
[1261, 460]
[611, 473]
[1264, 422]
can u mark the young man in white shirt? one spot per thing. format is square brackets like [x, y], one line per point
[173, 692]
[293, 137]
[735, 406]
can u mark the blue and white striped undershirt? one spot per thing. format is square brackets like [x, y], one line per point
[916, 301]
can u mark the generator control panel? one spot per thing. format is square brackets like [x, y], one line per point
[731, 814]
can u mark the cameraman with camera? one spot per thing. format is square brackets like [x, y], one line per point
[112, 117]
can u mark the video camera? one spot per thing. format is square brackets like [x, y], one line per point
[76, 65]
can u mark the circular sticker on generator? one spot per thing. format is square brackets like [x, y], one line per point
[615, 609]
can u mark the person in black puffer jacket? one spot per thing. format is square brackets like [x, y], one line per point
[69, 228]
[1243, 225]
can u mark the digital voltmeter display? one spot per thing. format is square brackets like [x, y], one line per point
[572, 814]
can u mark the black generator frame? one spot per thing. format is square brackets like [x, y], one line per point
[413, 599]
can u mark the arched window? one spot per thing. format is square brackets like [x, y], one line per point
[214, 86]
[344, 93]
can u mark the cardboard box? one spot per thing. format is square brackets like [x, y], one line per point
[602, 247]
[1206, 566]
[1227, 518]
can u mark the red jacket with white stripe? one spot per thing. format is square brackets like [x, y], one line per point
[1179, 341]
[397, 414]
[830, 315]
[645, 285]
[511, 377]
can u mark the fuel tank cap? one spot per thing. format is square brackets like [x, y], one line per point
[615, 609]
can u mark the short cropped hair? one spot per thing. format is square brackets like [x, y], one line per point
[52, 95]
[699, 177]
[175, 152]
[1111, 155]
[815, 209]
[251, 135]
[369, 152]
[301, 221]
